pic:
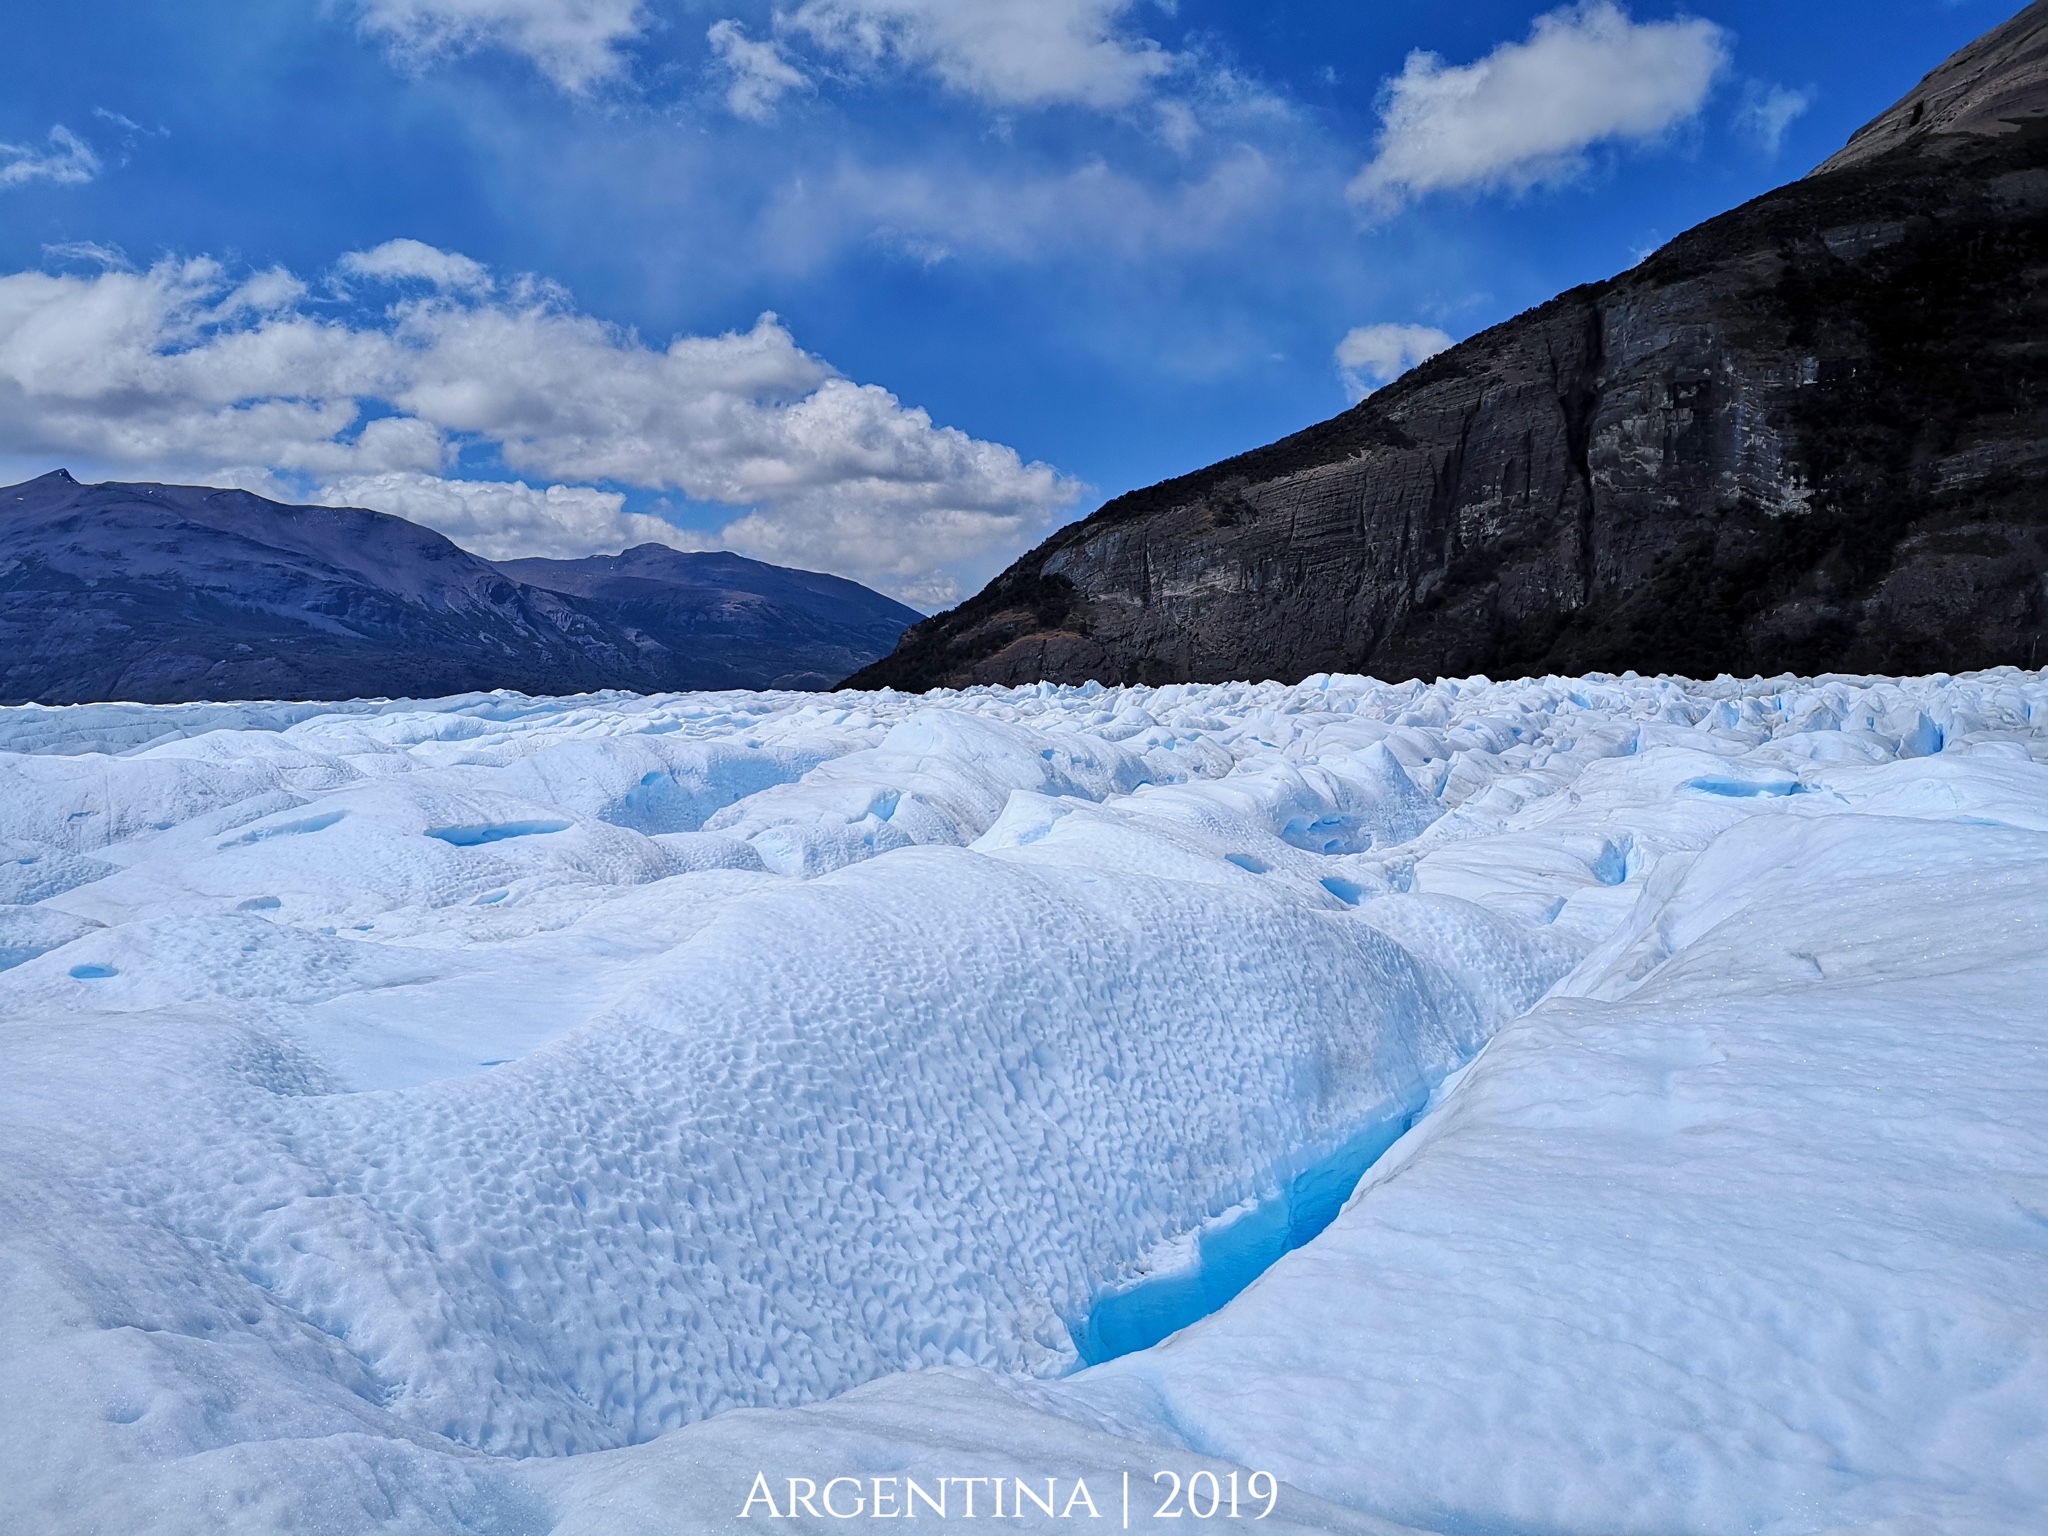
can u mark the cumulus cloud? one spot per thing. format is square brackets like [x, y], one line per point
[68, 161]
[186, 371]
[1372, 355]
[1767, 111]
[399, 260]
[505, 520]
[1527, 112]
[1008, 53]
[575, 43]
[761, 76]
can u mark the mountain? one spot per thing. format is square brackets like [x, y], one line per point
[1808, 435]
[761, 624]
[165, 594]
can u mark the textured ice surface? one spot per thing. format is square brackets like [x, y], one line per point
[514, 1115]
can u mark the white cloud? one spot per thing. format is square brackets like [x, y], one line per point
[1372, 355]
[504, 520]
[1526, 112]
[1767, 111]
[181, 372]
[761, 76]
[933, 212]
[863, 485]
[90, 252]
[575, 43]
[68, 162]
[398, 260]
[1008, 53]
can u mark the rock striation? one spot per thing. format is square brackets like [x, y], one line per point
[1809, 435]
[166, 594]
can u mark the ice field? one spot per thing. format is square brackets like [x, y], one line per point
[515, 1116]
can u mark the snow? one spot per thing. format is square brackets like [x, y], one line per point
[515, 1115]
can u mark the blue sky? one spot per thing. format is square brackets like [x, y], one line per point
[500, 265]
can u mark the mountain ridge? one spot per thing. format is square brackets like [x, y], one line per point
[174, 594]
[1809, 434]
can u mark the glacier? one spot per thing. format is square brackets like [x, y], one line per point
[1568, 1104]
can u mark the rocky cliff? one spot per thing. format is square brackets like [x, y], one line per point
[165, 594]
[1808, 435]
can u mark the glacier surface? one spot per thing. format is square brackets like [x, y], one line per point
[517, 1115]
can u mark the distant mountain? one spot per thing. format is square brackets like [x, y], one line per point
[168, 594]
[757, 621]
[1808, 435]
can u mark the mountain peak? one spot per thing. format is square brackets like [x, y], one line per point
[1987, 89]
[166, 594]
[1806, 436]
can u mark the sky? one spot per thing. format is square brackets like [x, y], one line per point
[889, 288]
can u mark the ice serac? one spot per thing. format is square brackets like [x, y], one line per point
[166, 594]
[1809, 434]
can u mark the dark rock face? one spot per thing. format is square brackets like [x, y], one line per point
[169, 594]
[1991, 87]
[1809, 435]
